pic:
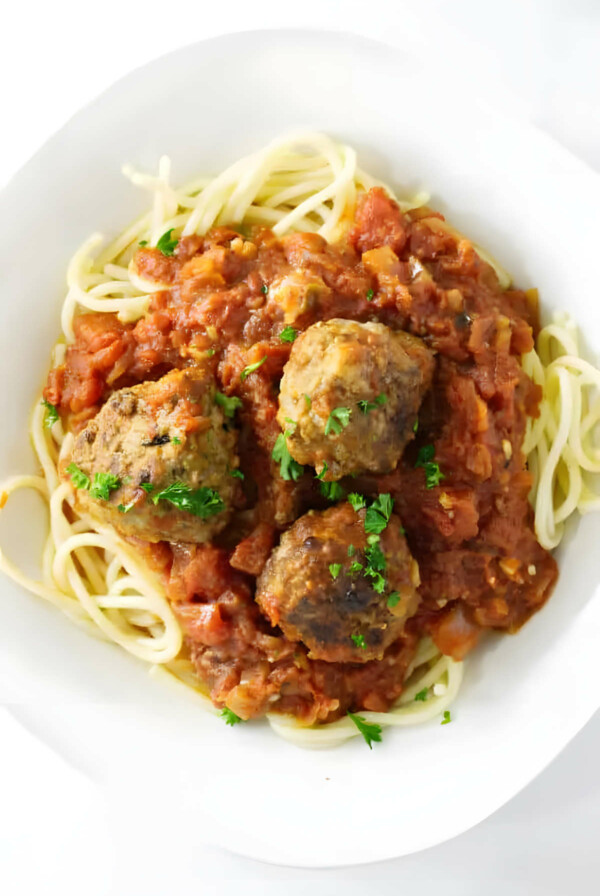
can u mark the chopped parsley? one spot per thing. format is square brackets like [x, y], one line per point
[393, 599]
[422, 695]
[433, 475]
[333, 491]
[370, 294]
[378, 514]
[229, 405]
[446, 718]
[51, 415]
[288, 334]
[237, 474]
[375, 567]
[289, 468]
[351, 550]
[251, 368]
[202, 502]
[366, 406]
[166, 245]
[78, 477]
[103, 485]
[308, 400]
[264, 289]
[337, 420]
[355, 567]
[416, 424]
[335, 569]
[323, 471]
[125, 508]
[230, 717]
[370, 732]
[176, 440]
[357, 501]
[210, 352]
[143, 243]
[359, 641]
[147, 487]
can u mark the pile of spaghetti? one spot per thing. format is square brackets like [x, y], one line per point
[241, 288]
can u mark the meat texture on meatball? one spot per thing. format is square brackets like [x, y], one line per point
[349, 396]
[156, 436]
[316, 589]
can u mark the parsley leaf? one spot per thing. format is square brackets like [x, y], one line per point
[143, 243]
[230, 717]
[370, 294]
[355, 566]
[378, 514]
[103, 485]
[202, 502]
[264, 289]
[446, 718]
[323, 471]
[290, 469]
[165, 244]
[229, 405]
[422, 695]
[416, 424]
[335, 569]
[338, 419]
[433, 475]
[308, 400]
[366, 406]
[125, 508]
[333, 491]
[357, 501]
[288, 334]
[371, 733]
[51, 415]
[176, 440]
[351, 550]
[78, 477]
[237, 474]
[359, 641]
[393, 599]
[251, 368]
[147, 487]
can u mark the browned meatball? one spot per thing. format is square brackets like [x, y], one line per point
[150, 437]
[314, 586]
[352, 392]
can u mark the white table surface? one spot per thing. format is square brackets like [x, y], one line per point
[537, 59]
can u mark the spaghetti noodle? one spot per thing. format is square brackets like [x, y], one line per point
[301, 182]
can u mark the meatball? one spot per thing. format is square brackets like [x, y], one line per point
[314, 586]
[156, 435]
[349, 396]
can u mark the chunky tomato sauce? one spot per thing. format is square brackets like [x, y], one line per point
[472, 533]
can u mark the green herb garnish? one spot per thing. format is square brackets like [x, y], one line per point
[351, 550]
[78, 477]
[333, 491]
[237, 474]
[370, 732]
[338, 419]
[433, 475]
[357, 501]
[229, 405]
[203, 502]
[264, 289]
[251, 368]
[125, 508]
[422, 695]
[230, 717]
[176, 440]
[323, 471]
[289, 469]
[446, 718]
[378, 514]
[370, 294]
[143, 243]
[288, 334]
[393, 599]
[165, 244]
[335, 569]
[359, 641]
[308, 400]
[51, 415]
[103, 485]
[366, 406]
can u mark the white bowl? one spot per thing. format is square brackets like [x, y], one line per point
[168, 764]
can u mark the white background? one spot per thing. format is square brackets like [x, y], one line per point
[538, 59]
